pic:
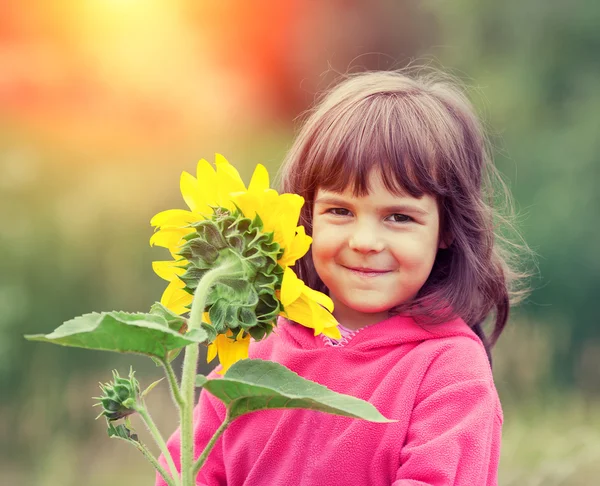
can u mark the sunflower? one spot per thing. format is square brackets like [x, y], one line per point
[257, 229]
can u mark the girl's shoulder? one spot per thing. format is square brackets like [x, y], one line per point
[464, 354]
[458, 363]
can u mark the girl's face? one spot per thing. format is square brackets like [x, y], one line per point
[373, 252]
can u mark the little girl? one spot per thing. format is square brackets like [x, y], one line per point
[397, 182]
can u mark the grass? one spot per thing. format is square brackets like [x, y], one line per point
[552, 442]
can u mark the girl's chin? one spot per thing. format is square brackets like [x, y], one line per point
[366, 310]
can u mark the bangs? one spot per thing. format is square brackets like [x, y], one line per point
[387, 132]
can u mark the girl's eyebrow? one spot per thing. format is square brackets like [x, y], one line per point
[396, 208]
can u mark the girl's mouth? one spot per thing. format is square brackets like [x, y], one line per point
[367, 272]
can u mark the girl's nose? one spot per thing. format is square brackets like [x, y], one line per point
[366, 241]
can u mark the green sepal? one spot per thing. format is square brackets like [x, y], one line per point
[247, 318]
[209, 232]
[217, 314]
[260, 332]
[210, 331]
[266, 281]
[257, 222]
[150, 387]
[198, 249]
[171, 355]
[192, 277]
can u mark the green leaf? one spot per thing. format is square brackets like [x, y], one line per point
[174, 321]
[254, 384]
[121, 432]
[122, 332]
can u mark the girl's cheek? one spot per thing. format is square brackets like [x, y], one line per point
[417, 255]
[325, 235]
[335, 242]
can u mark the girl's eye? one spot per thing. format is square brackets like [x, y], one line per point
[396, 217]
[338, 211]
[400, 218]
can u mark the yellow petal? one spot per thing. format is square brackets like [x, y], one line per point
[332, 332]
[231, 351]
[260, 179]
[308, 313]
[307, 306]
[205, 173]
[322, 318]
[173, 251]
[170, 237]
[280, 215]
[297, 248]
[175, 217]
[190, 191]
[207, 182]
[175, 298]
[266, 204]
[249, 203]
[169, 270]
[301, 311]
[291, 287]
[211, 353]
[318, 297]
[228, 181]
[290, 206]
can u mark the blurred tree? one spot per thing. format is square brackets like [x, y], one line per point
[537, 65]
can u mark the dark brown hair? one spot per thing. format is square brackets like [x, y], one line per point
[421, 132]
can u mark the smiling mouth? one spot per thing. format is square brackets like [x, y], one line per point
[367, 272]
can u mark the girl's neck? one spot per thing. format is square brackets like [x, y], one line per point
[354, 321]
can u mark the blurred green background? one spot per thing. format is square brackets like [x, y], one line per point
[104, 102]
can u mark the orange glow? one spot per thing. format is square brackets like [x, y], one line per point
[125, 73]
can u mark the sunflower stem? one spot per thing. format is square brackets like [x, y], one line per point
[148, 455]
[190, 363]
[173, 385]
[145, 415]
[202, 459]
[186, 413]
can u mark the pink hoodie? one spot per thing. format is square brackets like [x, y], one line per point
[437, 383]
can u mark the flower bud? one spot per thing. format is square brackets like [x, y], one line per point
[119, 398]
